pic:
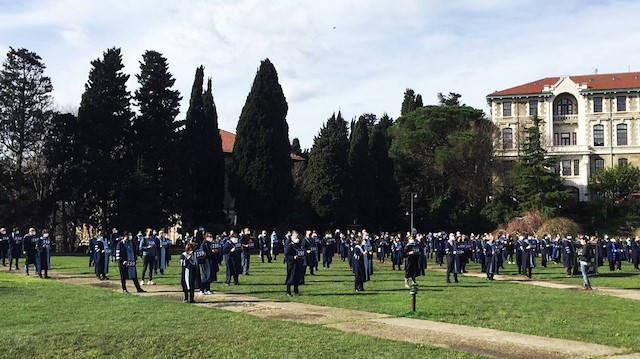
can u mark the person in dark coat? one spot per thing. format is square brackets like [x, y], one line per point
[294, 255]
[411, 261]
[440, 249]
[209, 266]
[275, 247]
[601, 251]
[490, 257]
[310, 259]
[247, 247]
[397, 253]
[15, 248]
[126, 258]
[568, 253]
[635, 252]
[614, 250]
[101, 257]
[529, 250]
[189, 263]
[43, 258]
[359, 271]
[29, 249]
[232, 250]
[453, 258]
[328, 249]
[4, 245]
[149, 246]
[264, 242]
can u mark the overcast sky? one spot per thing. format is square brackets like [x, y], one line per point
[353, 56]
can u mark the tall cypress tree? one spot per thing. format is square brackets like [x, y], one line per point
[410, 102]
[537, 187]
[362, 170]
[261, 179]
[190, 153]
[212, 162]
[104, 118]
[327, 180]
[155, 141]
[387, 200]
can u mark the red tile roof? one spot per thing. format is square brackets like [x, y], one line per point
[625, 80]
[228, 139]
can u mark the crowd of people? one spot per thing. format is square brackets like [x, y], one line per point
[205, 253]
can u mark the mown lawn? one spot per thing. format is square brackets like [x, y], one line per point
[50, 319]
[515, 307]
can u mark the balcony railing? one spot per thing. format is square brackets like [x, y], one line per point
[565, 118]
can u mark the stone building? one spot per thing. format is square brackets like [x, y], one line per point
[589, 122]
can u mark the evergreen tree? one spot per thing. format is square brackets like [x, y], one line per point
[327, 181]
[295, 147]
[261, 179]
[410, 102]
[155, 140]
[536, 186]
[362, 170]
[452, 99]
[387, 194]
[212, 164]
[105, 134]
[25, 114]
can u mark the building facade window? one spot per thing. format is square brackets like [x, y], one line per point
[574, 138]
[622, 161]
[597, 104]
[565, 107]
[507, 138]
[566, 167]
[506, 109]
[599, 164]
[621, 103]
[598, 135]
[621, 134]
[556, 139]
[565, 139]
[533, 107]
[576, 167]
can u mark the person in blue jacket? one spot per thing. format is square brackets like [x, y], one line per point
[189, 264]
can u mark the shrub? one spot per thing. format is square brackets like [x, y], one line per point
[528, 224]
[559, 225]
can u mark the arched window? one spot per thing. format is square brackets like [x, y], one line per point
[564, 107]
[507, 138]
[598, 135]
[621, 134]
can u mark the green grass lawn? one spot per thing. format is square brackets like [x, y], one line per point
[515, 307]
[50, 319]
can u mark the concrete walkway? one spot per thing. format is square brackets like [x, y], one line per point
[475, 340]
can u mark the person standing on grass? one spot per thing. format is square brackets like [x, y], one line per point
[274, 245]
[232, 253]
[294, 256]
[359, 267]
[15, 248]
[490, 257]
[29, 243]
[4, 245]
[247, 246]
[126, 258]
[635, 252]
[411, 261]
[530, 248]
[189, 264]
[397, 253]
[101, 251]
[114, 239]
[584, 257]
[311, 260]
[43, 258]
[453, 258]
[328, 249]
[163, 255]
[149, 247]
[568, 253]
[264, 243]
[209, 266]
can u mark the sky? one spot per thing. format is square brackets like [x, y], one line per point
[331, 55]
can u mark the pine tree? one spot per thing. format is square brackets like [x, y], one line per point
[105, 134]
[261, 179]
[25, 114]
[410, 102]
[362, 170]
[327, 181]
[155, 141]
[387, 193]
[537, 187]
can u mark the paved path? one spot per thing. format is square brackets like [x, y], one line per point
[470, 339]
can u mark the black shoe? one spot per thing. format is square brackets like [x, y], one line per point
[47, 277]
[192, 301]
[141, 291]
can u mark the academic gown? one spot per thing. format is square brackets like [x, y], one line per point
[397, 253]
[328, 249]
[295, 266]
[189, 271]
[453, 259]
[126, 252]
[567, 253]
[310, 259]
[529, 250]
[412, 261]
[490, 258]
[359, 272]
[233, 259]
[101, 259]
[15, 246]
[635, 252]
[209, 266]
[29, 244]
[43, 259]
